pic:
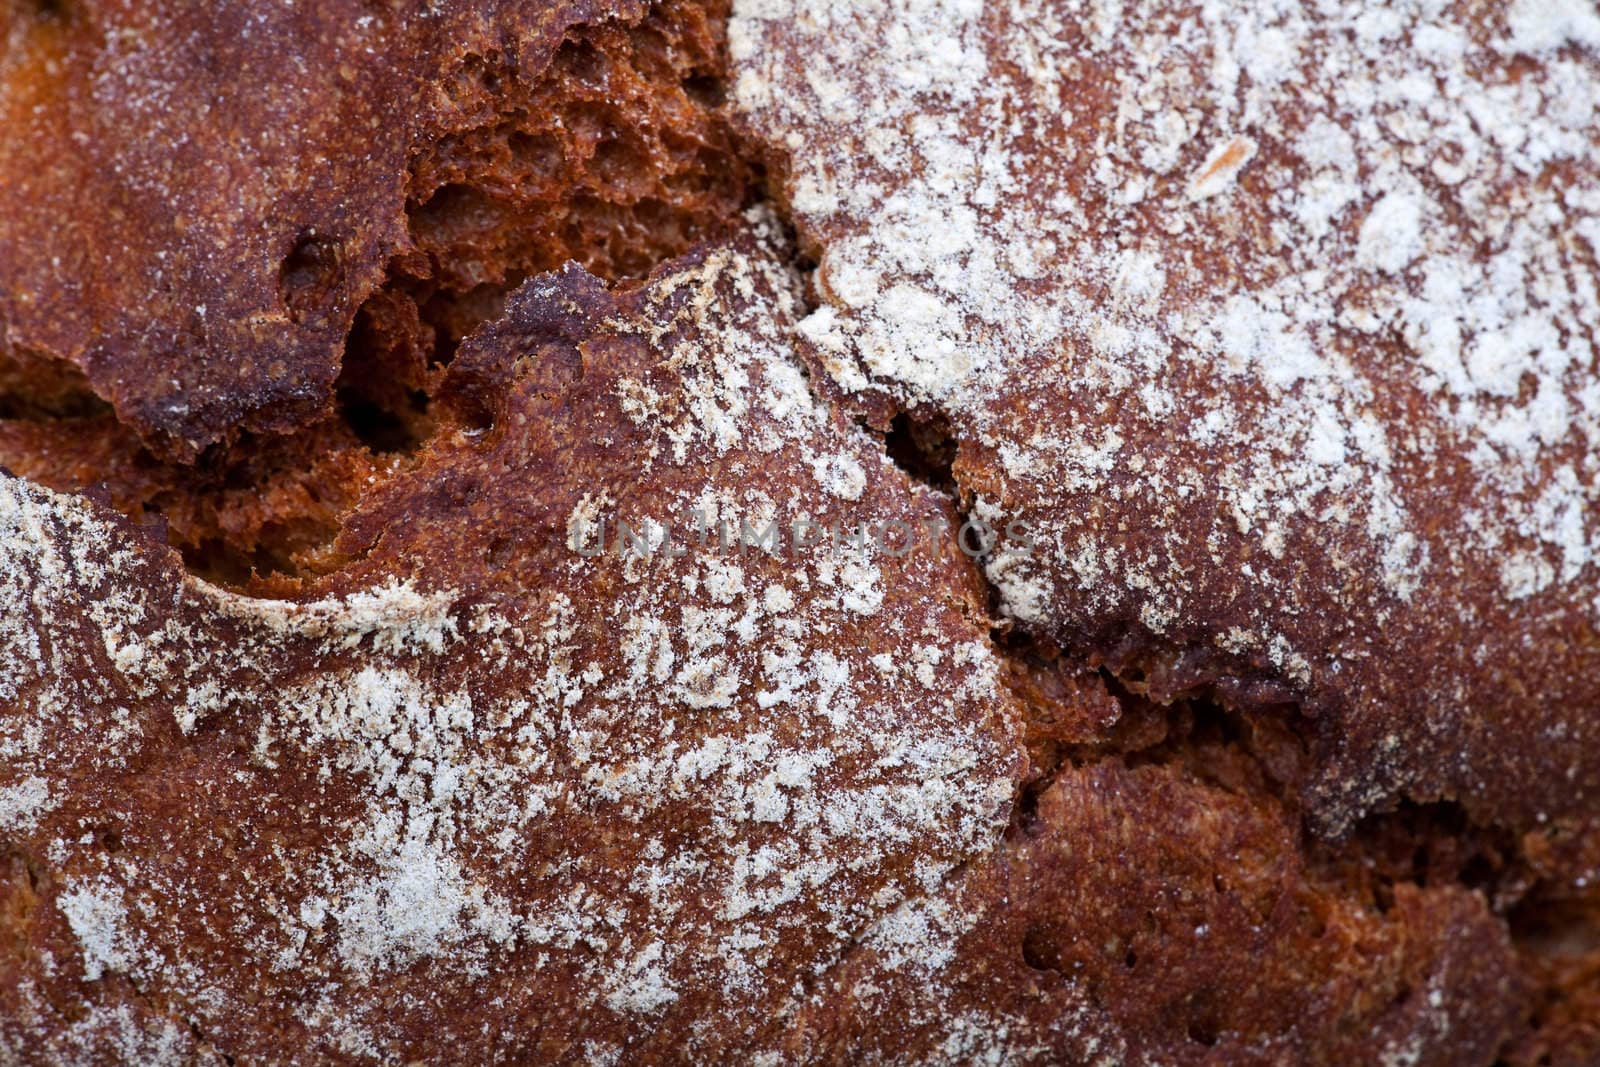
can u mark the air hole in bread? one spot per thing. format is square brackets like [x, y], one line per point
[1037, 951]
[39, 388]
[1203, 1030]
[309, 277]
[924, 448]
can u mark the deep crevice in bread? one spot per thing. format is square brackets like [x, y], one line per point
[616, 156]
[1078, 716]
[38, 388]
[924, 448]
[538, 175]
[1128, 702]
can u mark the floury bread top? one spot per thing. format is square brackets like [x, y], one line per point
[650, 790]
[1269, 328]
[1276, 320]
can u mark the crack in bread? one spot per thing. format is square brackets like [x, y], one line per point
[1273, 325]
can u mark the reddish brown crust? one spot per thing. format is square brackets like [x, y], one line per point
[236, 822]
[1120, 868]
[1144, 916]
[1207, 559]
[602, 149]
[200, 196]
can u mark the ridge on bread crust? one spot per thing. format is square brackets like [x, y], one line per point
[576, 793]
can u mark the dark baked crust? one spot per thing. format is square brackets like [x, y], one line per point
[1145, 916]
[1289, 362]
[200, 197]
[1274, 748]
[391, 822]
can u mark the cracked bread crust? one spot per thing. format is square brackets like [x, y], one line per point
[200, 197]
[1201, 950]
[667, 809]
[607, 803]
[599, 145]
[431, 785]
[1280, 328]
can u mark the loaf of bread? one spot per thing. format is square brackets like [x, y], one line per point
[798, 532]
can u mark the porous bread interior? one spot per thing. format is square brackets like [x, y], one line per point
[616, 158]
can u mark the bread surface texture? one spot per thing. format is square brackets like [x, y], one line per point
[487, 506]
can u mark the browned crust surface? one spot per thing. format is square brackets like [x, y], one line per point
[1279, 328]
[199, 197]
[539, 793]
[1276, 333]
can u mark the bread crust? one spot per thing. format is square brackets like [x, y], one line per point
[480, 776]
[330, 337]
[200, 197]
[1248, 334]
